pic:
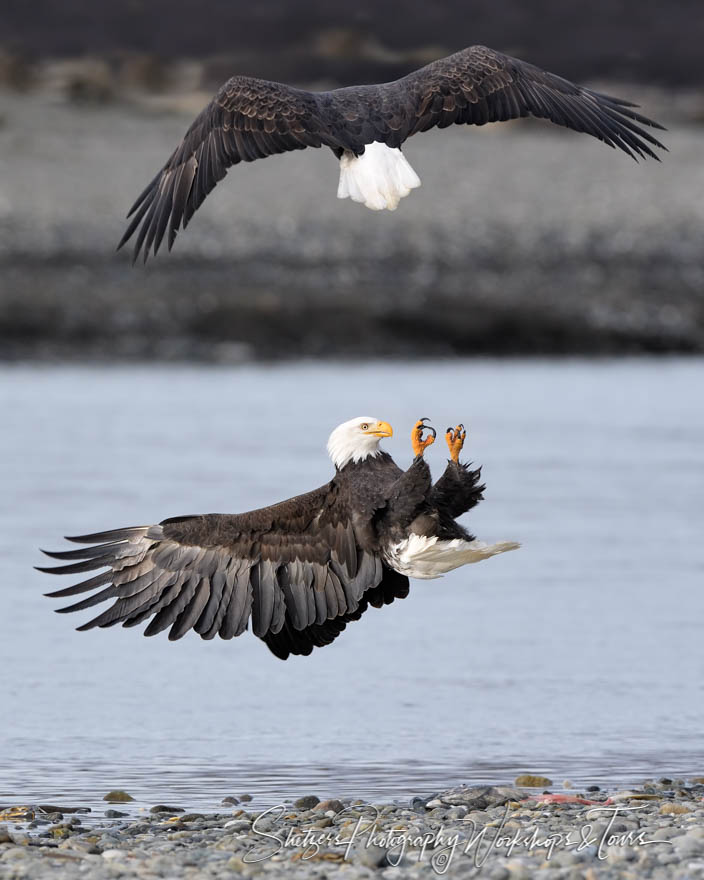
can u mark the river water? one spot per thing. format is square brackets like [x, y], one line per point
[579, 656]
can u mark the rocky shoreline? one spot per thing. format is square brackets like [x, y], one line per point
[655, 830]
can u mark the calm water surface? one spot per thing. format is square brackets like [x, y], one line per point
[579, 655]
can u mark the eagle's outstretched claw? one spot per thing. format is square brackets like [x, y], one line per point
[418, 443]
[455, 441]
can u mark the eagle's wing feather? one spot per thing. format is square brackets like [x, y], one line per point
[292, 641]
[297, 567]
[248, 119]
[479, 85]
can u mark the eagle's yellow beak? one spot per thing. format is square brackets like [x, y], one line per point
[380, 429]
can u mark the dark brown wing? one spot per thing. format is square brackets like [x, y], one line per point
[479, 85]
[248, 119]
[292, 641]
[297, 564]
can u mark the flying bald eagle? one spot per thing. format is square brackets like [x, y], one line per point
[365, 126]
[301, 569]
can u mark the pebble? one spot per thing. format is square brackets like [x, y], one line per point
[531, 780]
[117, 796]
[237, 825]
[307, 802]
[332, 804]
[110, 855]
[673, 809]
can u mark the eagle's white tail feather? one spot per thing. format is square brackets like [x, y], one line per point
[420, 556]
[379, 178]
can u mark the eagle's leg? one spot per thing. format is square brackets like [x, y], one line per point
[455, 441]
[417, 442]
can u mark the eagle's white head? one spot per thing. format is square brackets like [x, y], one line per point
[357, 439]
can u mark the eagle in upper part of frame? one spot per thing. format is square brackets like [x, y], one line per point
[365, 126]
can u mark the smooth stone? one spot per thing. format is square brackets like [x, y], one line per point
[332, 804]
[668, 858]
[665, 833]
[696, 832]
[689, 845]
[532, 780]
[16, 852]
[114, 814]
[110, 855]
[230, 801]
[592, 788]
[118, 797]
[163, 808]
[370, 856]
[673, 809]
[245, 798]
[237, 825]
[518, 871]
[307, 802]
[17, 814]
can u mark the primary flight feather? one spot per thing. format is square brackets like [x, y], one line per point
[365, 127]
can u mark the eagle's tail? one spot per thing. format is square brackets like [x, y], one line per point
[421, 556]
[379, 178]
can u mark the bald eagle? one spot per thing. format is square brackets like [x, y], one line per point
[301, 569]
[365, 126]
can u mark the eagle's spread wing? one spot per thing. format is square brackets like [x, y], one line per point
[248, 119]
[479, 85]
[296, 569]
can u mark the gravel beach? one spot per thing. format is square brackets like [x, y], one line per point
[655, 830]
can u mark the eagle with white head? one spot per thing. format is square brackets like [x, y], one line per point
[299, 571]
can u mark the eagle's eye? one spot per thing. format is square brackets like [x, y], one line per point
[364, 426]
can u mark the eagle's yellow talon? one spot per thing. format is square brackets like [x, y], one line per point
[455, 438]
[417, 442]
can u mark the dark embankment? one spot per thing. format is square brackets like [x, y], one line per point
[368, 41]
